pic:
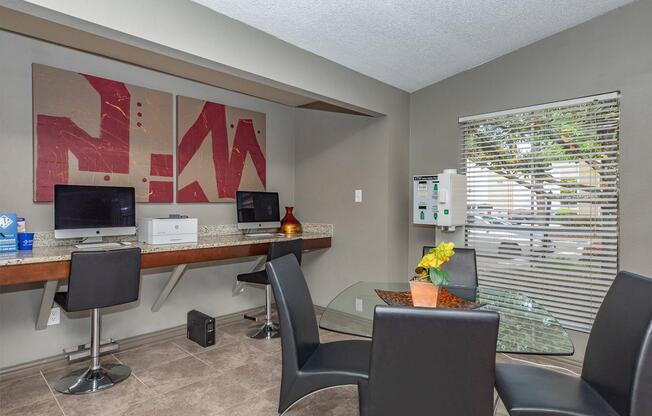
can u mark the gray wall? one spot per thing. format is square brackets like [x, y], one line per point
[612, 52]
[336, 154]
[207, 288]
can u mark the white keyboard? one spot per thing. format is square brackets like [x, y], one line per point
[254, 235]
[92, 246]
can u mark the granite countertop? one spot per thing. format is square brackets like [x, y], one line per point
[49, 250]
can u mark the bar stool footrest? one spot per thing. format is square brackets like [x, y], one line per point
[83, 351]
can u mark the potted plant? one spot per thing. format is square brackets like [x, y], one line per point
[430, 277]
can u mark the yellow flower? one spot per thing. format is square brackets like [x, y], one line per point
[437, 256]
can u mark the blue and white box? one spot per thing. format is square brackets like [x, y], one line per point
[8, 233]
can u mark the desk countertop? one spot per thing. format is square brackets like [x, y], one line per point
[44, 254]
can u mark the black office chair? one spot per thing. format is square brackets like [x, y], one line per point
[617, 373]
[462, 267]
[98, 279]
[430, 362]
[269, 329]
[309, 365]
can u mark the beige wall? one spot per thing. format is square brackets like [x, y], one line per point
[205, 288]
[609, 53]
[335, 155]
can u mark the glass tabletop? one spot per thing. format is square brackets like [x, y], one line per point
[525, 326]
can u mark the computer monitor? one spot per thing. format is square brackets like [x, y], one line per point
[257, 210]
[93, 211]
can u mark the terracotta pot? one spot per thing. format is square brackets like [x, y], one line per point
[289, 224]
[424, 294]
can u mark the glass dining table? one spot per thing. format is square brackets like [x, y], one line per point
[525, 326]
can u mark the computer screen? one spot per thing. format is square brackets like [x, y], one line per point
[78, 206]
[257, 208]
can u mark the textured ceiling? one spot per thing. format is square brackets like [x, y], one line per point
[411, 43]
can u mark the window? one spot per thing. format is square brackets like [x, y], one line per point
[543, 202]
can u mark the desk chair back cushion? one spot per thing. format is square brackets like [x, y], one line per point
[281, 248]
[462, 267]
[103, 278]
[431, 362]
[299, 333]
[618, 359]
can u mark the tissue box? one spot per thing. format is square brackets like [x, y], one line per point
[8, 233]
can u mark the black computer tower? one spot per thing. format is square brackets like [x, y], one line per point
[201, 328]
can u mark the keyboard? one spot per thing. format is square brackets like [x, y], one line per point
[92, 246]
[254, 235]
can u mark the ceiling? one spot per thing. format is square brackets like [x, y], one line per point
[413, 43]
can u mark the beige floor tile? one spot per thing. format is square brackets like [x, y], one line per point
[148, 356]
[162, 406]
[175, 374]
[192, 347]
[235, 355]
[214, 394]
[256, 376]
[106, 402]
[23, 392]
[253, 408]
[338, 401]
[48, 407]
[271, 346]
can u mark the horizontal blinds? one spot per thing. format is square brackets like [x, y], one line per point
[542, 192]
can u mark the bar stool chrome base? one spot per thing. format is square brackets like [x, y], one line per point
[268, 330]
[89, 381]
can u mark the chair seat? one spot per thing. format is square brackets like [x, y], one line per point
[255, 277]
[533, 391]
[348, 359]
[61, 298]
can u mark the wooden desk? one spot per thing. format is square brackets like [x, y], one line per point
[50, 265]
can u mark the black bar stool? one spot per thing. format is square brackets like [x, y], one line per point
[277, 249]
[98, 279]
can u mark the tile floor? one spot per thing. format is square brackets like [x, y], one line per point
[237, 377]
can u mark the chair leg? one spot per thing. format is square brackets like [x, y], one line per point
[96, 377]
[269, 329]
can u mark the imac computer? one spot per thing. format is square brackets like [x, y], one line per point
[257, 210]
[92, 212]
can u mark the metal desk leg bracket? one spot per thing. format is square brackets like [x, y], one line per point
[47, 299]
[172, 281]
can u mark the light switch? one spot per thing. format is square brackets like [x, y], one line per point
[358, 195]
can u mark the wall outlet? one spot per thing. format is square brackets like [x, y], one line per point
[55, 316]
[358, 195]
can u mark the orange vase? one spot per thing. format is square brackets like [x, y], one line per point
[289, 223]
[424, 294]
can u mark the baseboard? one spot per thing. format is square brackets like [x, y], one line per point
[33, 367]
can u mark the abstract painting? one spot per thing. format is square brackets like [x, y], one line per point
[220, 149]
[94, 131]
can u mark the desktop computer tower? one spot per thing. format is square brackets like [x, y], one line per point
[201, 328]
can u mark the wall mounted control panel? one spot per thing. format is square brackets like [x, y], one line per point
[439, 199]
[425, 190]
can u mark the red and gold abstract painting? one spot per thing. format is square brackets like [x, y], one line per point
[94, 131]
[220, 149]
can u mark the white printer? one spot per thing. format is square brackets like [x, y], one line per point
[167, 230]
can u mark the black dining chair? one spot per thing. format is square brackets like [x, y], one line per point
[98, 279]
[309, 365]
[430, 362]
[616, 376]
[462, 267]
[269, 329]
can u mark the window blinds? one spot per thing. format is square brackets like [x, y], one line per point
[543, 202]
